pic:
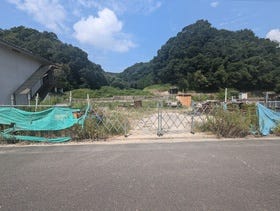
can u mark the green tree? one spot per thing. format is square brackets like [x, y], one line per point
[201, 57]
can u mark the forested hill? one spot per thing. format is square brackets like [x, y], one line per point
[76, 72]
[200, 58]
[204, 58]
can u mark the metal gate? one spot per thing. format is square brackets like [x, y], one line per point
[148, 118]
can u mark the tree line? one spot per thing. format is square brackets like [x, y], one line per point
[204, 58]
[200, 58]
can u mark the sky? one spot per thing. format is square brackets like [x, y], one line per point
[119, 33]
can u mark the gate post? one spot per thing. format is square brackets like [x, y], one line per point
[159, 129]
[126, 128]
[194, 112]
[192, 124]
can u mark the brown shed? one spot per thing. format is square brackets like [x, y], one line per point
[184, 99]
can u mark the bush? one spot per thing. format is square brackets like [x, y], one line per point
[8, 140]
[228, 124]
[276, 130]
[96, 128]
[88, 131]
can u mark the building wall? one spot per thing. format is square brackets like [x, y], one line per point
[15, 68]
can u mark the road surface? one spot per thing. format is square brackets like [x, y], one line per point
[220, 175]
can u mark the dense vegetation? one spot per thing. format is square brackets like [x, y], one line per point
[200, 58]
[76, 72]
[204, 58]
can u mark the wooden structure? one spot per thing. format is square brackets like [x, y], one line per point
[185, 99]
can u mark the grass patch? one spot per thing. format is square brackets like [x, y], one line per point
[158, 87]
[200, 97]
[107, 91]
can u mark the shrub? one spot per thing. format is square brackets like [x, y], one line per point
[228, 124]
[276, 130]
[88, 131]
[96, 128]
[8, 140]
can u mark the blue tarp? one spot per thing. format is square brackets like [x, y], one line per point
[268, 119]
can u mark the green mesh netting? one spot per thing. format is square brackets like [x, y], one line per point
[52, 119]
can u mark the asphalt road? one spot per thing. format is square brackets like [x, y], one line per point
[230, 175]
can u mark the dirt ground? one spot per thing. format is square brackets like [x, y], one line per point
[144, 138]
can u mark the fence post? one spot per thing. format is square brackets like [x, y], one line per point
[159, 129]
[29, 99]
[226, 92]
[12, 100]
[266, 99]
[70, 98]
[192, 124]
[126, 129]
[37, 101]
[88, 100]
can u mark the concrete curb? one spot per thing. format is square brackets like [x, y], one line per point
[148, 140]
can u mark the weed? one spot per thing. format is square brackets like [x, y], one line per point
[100, 127]
[276, 130]
[228, 124]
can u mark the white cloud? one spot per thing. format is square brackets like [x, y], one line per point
[49, 13]
[121, 6]
[274, 35]
[154, 6]
[214, 4]
[103, 32]
[88, 3]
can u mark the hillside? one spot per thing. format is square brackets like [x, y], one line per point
[76, 72]
[204, 58]
[200, 58]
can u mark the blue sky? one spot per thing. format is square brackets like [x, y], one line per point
[119, 33]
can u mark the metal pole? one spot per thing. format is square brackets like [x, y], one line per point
[125, 129]
[192, 124]
[29, 98]
[266, 99]
[36, 101]
[12, 100]
[225, 95]
[88, 99]
[70, 98]
[159, 130]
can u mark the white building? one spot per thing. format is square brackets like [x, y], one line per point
[243, 96]
[22, 75]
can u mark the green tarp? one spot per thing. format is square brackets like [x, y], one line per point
[52, 119]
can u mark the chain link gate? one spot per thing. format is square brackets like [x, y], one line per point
[175, 120]
[147, 118]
